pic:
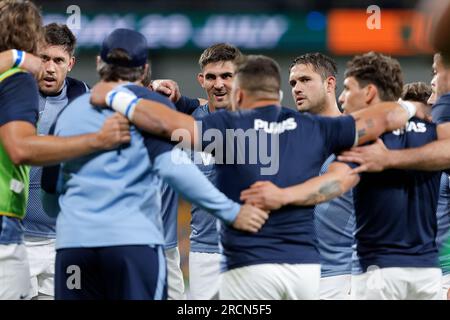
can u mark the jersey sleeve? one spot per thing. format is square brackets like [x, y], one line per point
[19, 99]
[338, 132]
[187, 105]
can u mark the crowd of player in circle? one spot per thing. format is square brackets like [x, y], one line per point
[356, 204]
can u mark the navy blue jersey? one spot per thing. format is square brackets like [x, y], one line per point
[19, 99]
[187, 105]
[441, 114]
[441, 109]
[18, 102]
[298, 145]
[396, 209]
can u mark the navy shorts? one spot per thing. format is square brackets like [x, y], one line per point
[135, 272]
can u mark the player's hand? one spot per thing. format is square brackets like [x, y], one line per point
[372, 158]
[168, 88]
[250, 219]
[99, 92]
[33, 65]
[264, 195]
[115, 132]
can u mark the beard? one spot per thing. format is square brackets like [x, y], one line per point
[317, 106]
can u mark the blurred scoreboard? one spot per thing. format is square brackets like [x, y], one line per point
[339, 32]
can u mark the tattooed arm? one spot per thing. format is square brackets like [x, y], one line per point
[373, 121]
[335, 182]
[376, 157]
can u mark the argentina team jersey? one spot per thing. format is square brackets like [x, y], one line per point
[289, 149]
[396, 209]
[18, 102]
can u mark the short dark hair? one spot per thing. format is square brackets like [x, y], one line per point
[416, 91]
[382, 71]
[60, 35]
[220, 52]
[322, 64]
[259, 74]
[112, 72]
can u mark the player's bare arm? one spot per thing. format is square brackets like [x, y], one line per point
[25, 147]
[335, 182]
[170, 89]
[371, 122]
[30, 62]
[376, 157]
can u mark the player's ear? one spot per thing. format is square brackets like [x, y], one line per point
[330, 83]
[97, 61]
[240, 95]
[371, 93]
[201, 79]
[72, 62]
[235, 99]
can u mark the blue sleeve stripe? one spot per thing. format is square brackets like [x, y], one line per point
[132, 104]
[111, 98]
[19, 58]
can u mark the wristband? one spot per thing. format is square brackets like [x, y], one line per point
[18, 58]
[409, 107]
[122, 102]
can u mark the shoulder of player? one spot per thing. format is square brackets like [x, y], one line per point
[201, 111]
[444, 99]
[72, 82]
[147, 94]
[413, 126]
[23, 79]
[80, 110]
[300, 117]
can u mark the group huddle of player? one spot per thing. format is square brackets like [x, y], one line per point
[351, 199]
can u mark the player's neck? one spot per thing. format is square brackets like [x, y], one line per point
[253, 104]
[331, 110]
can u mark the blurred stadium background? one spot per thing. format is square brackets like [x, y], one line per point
[178, 31]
